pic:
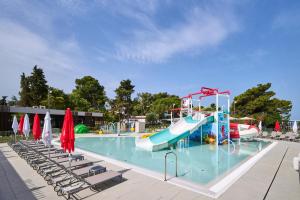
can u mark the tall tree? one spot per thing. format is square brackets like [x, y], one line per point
[260, 103]
[163, 105]
[25, 97]
[56, 99]
[13, 101]
[38, 86]
[123, 102]
[78, 103]
[3, 101]
[143, 103]
[89, 89]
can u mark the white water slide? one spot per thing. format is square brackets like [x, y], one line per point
[181, 129]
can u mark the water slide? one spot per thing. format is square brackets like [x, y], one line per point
[243, 131]
[179, 130]
[248, 131]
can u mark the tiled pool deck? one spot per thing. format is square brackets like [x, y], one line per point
[19, 181]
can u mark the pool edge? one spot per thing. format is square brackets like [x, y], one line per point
[214, 191]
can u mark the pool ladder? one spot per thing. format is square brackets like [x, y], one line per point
[166, 156]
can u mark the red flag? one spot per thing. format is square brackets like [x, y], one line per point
[20, 129]
[67, 136]
[36, 130]
[277, 127]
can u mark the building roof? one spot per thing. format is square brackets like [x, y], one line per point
[30, 110]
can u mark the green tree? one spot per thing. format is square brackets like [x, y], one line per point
[163, 105]
[151, 118]
[25, 97]
[161, 95]
[89, 89]
[78, 103]
[3, 101]
[56, 99]
[260, 103]
[13, 101]
[142, 103]
[38, 86]
[123, 102]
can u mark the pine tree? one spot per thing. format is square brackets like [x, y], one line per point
[25, 98]
[90, 92]
[39, 87]
[260, 103]
[123, 102]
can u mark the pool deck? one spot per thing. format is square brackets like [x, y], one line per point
[19, 181]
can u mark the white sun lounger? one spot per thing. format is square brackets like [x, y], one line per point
[90, 182]
[296, 165]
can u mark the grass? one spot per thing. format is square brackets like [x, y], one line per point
[5, 139]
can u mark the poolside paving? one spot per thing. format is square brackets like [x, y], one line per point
[19, 181]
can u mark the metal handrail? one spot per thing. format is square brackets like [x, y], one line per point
[171, 152]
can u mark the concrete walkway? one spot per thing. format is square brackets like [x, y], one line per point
[19, 181]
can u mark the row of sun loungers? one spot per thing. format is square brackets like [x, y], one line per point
[68, 174]
[289, 136]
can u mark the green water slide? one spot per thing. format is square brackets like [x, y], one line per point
[171, 135]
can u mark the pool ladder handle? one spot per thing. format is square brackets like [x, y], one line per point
[166, 156]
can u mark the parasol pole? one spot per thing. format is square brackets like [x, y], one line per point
[69, 160]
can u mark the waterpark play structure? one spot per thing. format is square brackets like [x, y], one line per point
[195, 124]
[238, 131]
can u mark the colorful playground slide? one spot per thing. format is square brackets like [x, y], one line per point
[243, 131]
[177, 131]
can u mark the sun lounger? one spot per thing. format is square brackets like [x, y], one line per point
[89, 182]
[63, 167]
[58, 155]
[273, 135]
[282, 137]
[277, 136]
[33, 154]
[71, 176]
[74, 165]
[292, 137]
[296, 164]
[31, 151]
[47, 163]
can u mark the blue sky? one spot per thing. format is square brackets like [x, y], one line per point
[173, 46]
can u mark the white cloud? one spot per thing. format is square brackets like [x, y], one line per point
[200, 30]
[21, 49]
[30, 35]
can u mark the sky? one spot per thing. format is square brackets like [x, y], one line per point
[170, 46]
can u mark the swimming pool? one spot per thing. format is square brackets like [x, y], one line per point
[200, 164]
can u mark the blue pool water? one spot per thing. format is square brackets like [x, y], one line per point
[196, 163]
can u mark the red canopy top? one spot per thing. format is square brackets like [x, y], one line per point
[36, 130]
[20, 129]
[205, 92]
[277, 127]
[67, 136]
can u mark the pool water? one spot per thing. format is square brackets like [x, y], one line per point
[197, 163]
